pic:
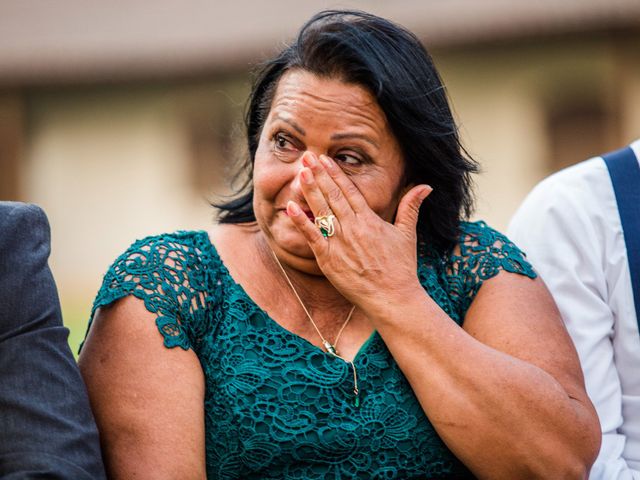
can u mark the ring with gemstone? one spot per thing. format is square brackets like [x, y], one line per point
[325, 224]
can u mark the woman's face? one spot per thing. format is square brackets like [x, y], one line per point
[324, 116]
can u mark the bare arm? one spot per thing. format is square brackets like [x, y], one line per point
[506, 394]
[148, 400]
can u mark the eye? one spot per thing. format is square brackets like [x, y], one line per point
[282, 142]
[348, 158]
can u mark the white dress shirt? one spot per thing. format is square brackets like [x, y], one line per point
[570, 229]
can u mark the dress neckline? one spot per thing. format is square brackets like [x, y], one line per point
[275, 325]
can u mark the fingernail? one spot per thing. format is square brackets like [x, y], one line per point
[307, 176]
[426, 191]
[293, 209]
[325, 161]
[309, 159]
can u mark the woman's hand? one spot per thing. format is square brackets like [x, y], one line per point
[367, 255]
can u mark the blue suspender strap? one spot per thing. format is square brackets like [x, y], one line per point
[624, 171]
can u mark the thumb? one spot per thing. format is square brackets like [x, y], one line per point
[409, 207]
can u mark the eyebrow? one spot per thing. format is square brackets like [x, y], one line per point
[342, 136]
[295, 126]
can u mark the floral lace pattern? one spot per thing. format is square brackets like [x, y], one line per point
[276, 406]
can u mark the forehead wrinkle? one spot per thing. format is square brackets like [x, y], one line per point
[294, 99]
[353, 104]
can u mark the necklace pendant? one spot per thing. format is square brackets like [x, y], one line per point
[356, 398]
[330, 348]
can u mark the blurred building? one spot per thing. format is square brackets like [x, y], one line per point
[123, 119]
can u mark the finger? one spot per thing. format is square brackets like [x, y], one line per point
[349, 191]
[312, 193]
[409, 208]
[311, 233]
[323, 190]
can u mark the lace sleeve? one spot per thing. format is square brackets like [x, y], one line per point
[168, 275]
[482, 253]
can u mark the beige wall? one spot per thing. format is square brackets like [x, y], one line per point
[502, 97]
[629, 91]
[111, 165]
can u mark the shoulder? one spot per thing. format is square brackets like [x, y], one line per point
[22, 226]
[13, 212]
[27, 290]
[483, 252]
[177, 251]
[171, 274]
[576, 177]
[584, 189]
[173, 240]
[575, 207]
[158, 261]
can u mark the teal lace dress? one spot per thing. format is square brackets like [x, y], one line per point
[276, 406]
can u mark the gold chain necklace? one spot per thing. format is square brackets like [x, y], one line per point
[331, 348]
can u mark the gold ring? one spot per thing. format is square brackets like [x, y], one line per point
[325, 224]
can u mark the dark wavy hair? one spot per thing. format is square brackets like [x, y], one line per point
[388, 60]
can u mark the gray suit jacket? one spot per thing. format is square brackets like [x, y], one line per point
[47, 429]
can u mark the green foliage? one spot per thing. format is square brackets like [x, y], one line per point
[75, 317]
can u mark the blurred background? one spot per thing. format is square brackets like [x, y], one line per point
[123, 119]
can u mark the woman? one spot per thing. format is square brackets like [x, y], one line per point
[330, 326]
